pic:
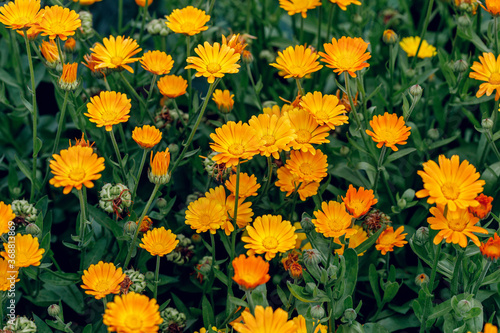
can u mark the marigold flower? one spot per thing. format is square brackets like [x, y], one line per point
[142, 3]
[390, 238]
[8, 275]
[333, 220]
[74, 167]
[483, 210]
[159, 241]
[344, 3]
[274, 134]
[68, 80]
[50, 52]
[157, 62]
[70, 44]
[91, 62]
[205, 215]
[214, 61]
[116, 53]
[492, 7]
[59, 22]
[358, 202]
[248, 185]
[308, 167]
[300, 322]
[297, 62]
[234, 142]
[410, 46]
[491, 249]
[145, 224]
[346, 55]
[299, 6]
[108, 109]
[354, 240]
[224, 100]
[158, 173]
[451, 183]
[86, 2]
[131, 313]
[307, 130]
[172, 86]
[389, 130]
[325, 109]
[188, 21]
[250, 272]
[265, 320]
[245, 213]
[20, 14]
[146, 136]
[389, 36]
[488, 70]
[81, 142]
[26, 251]
[269, 234]
[455, 227]
[288, 182]
[102, 279]
[7, 215]
[33, 32]
[235, 42]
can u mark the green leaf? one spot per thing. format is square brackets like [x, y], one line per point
[441, 143]
[369, 242]
[238, 302]
[208, 313]
[221, 276]
[351, 271]
[104, 220]
[397, 155]
[26, 171]
[373, 278]
[41, 326]
[87, 329]
[298, 292]
[390, 291]
[282, 296]
[59, 278]
[8, 79]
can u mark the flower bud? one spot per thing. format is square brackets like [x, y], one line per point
[86, 28]
[173, 147]
[350, 315]
[307, 224]
[332, 271]
[161, 203]
[421, 279]
[460, 66]
[33, 230]
[344, 151]
[416, 91]
[357, 19]
[129, 228]
[389, 36]
[16, 191]
[20, 324]
[402, 203]
[311, 257]
[149, 275]
[53, 310]
[487, 123]
[422, 235]
[317, 311]
[464, 21]
[433, 133]
[464, 306]
[138, 280]
[23, 209]
[295, 270]
[196, 238]
[410, 72]
[172, 316]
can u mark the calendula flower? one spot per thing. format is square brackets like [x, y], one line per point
[142, 3]
[157, 62]
[33, 32]
[205, 215]
[354, 240]
[269, 234]
[50, 53]
[245, 213]
[247, 187]
[325, 109]
[389, 130]
[102, 279]
[410, 46]
[74, 167]
[68, 80]
[8, 275]
[492, 7]
[108, 109]
[235, 42]
[23, 250]
[333, 220]
[358, 202]
[274, 134]
[145, 224]
[483, 210]
[467, 5]
[81, 142]
[389, 238]
[224, 100]
[116, 53]
[344, 3]
[86, 2]
[159, 242]
[450, 183]
[20, 14]
[488, 70]
[250, 272]
[188, 21]
[299, 6]
[491, 249]
[132, 313]
[146, 136]
[59, 22]
[91, 62]
[346, 55]
[214, 61]
[307, 130]
[158, 173]
[234, 142]
[389, 36]
[297, 62]
[265, 320]
[300, 322]
[308, 167]
[455, 227]
[172, 86]
[7, 215]
[288, 182]
[70, 44]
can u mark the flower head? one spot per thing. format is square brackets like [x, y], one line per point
[159, 242]
[300, 322]
[307, 130]
[488, 70]
[269, 234]
[188, 21]
[59, 22]
[206, 215]
[346, 55]
[308, 167]
[265, 320]
[451, 183]
[274, 133]
[344, 3]
[248, 185]
[86, 2]
[145, 224]
[358, 202]
[49, 52]
[297, 62]
[236, 42]
[26, 251]
[491, 249]
[6, 215]
[467, 5]
[390, 238]
[245, 213]
[325, 109]
[389, 36]
[224, 100]
[250, 272]
[146, 136]
[492, 7]
[172, 86]
[102, 279]
[132, 313]
[389, 130]
[20, 14]
[116, 53]
[74, 167]
[68, 80]
[214, 61]
[158, 173]
[70, 44]
[8, 275]
[483, 210]
[157, 62]
[91, 62]
[299, 6]
[410, 46]
[142, 3]
[333, 220]
[288, 182]
[108, 109]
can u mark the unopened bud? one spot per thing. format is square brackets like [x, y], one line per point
[464, 306]
[433, 133]
[295, 270]
[149, 275]
[464, 21]
[402, 203]
[422, 235]
[53, 310]
[161, 203]
[33, 230]
[357, 19]
[307, 224]
[350, 315]
[416, 91]
[173, 148]
[311, 257]
[344, 151]
[389, 36]
[460, 66]
[487, 123]
[421, 279]
[317, 311]
[130, 227]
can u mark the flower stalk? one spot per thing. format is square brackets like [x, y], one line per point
[118, 155]
[157, 274]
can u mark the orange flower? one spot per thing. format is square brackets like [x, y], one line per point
[325, 109]
[157, 62]
[492, 7]
[250, 272]
[188, 21]
[390, 238]
[491, 249]
[59, 22]
[214, 61]
[172, 86]
[236, 42]
[488, 70]
[346, 55]
[359, 202]
[248, 185]
[224, 100]
[142, 3]
[20, 14]
[389, 130]
[108, 109]
[147, 137]
[297, 62]
[333, 220]
[308, 167]
[158, 174]
[344, 3]
[483, 210]
[116, 53]
[49, 52]
[68, 80]
[288, 182]
[299, 6]
[70, 44]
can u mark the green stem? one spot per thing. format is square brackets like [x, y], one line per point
[269, 175]
[150, 94]
[318, 34]
[492, 143]
[144, 212]
[301, 29]
[60, 51]
[236, 196]
[83, 222]
[118, 155]
[61, 123]
[456, 271]
[299, 87]
[379, 168]
[330, 19]
[434, 268]
[157, 275]
[424, 30]
[181, 118]
[122, 137]
[249, 71]
[136, 95]
[251, 306]
[139, 172]
[144, 14]
[430, 287]
[481, 277]
[15, 59]
[104, 302]
[190, 86]
[391, 76]
[294, 201]
[120, 16]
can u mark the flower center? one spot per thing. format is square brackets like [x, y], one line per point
[213, 67]
[133, 322]
[270, 243]
[102, 286]
[493, 250]
[21, 258]
[388, 239]
[303, 136]
[334, 225]
[117, 61]
[77, 175]
[346, 61]
[450, 191]
[495, 78]
[187, 27]
[458, 224]
[296, 70]
[322, 115]
[305, 168]
[269, 139]
[356, 206]
[236, 149]
[158, 247]
[387, 135]
[205, 219]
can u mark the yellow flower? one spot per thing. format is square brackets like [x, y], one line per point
[74, 167]
[250, 272]
[288, 182]
[298, 62]
[359, 202]
[235, 42]
[142, 3]
[157, 62]
[188, 21]
[300, 322]
[488, 70]
[274, 134]
[450, 183]
[49, 52]
[354, 241]
[344, 3]
[410, 45]
[214, 61]
[455, 227]
[234, 142]
[224, 100]
[346, 55]
[68, 81]
[172, 86]
[33, 32]
[91, 63]
[23, 250]
[158, 174]
[299, 6]
[102, 279]
[389, 130]
[116, 53]
[132, 313]
[307, 130]
[325, 109]
[333, 220]
[205, 215]
[159, 242]
[248, 185]
[269, 234]
[59, 22]
[20, 14]
[108, 109]
[7, 215]
[491, 249]
[390, 238]
[8, 275]
[492, 7]
[86, 2]
[245, 213]
[147, 137]
[308, 167]
[265, 320]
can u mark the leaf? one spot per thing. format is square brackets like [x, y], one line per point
[369, 242]
[390, 291]
[41, 326]
[8, 79]
[298, 292]
[397, 155]
[373, 278]
[441, 143]
[282, 296]
[104, 220]
[208, 313]
[87, 329]
[351, 271]
[59, 278]
[26, 171]
[221, 276]
[238, 302]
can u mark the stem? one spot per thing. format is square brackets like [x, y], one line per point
[61, 121]
[150, 94]
[294, 201]
[118, 156]
[157, 272]
[181, 118]
[144, 14]
[391, 76]
[83, 221]
[104, 302]
[139, 172]
[430, 286]
[330, 19]
[301, 29]
[120, 15]
[490, 140]
[481, 277]
[299, 87]
[456, 271]
[60, 51]
[318, 34]
[434, 267]
[379, 167]
[122, 137]
[236, 195]
[269, 175]
[424, 30]
[144, 212]
[190, 86]
[248, 293]
[249, 71]
[136, 95]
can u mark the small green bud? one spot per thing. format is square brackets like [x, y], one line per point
[129, 228]
[389, 36]
[402, 203]
[410, 72]
[464, 306]
[311, 257]
[33, 230]
[317, 311]
[332, 271]
[173, 147]
[460, 66]
[421, 279]
[422, 235]
[357, 19]
[161, 203]
[53, 310]
[433, 133]
[344, 151]
[350, 315]
[310, 287]
[416, 91]
[487, 123]
[464, 21]
[138, 280]
[307, 224]
[149, 275]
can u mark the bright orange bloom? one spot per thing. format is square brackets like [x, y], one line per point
[492, 7]
[484, 208]
[265, 320]
[23, 250]
[325, 109]
[49, 52]
[390, 238]
[344, 3]
[157, 62]
[159, 241]
[188, 21]
[274, 134]
[116, 53]
[108, 109]
[346, 55]
[142, 3]
[307, 166]
[102, 279]
[224, 100]
[359, 202]
[491, 249]
[297, 62]
[333, 220]
[206, 214]
[288, 182]
[172, 86]
[389, 130]
[488, 70]
[248, 185]
[250, 272]
[354, 241]
[214, 61]
[70, 44]
[299, 6]
[20, 14]
[146, 136]
[236, 42]
[68, 80]
[86, 2]
[59, 22]
[307, 130]
[6, 215]
[410, 46]
[158, 174]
